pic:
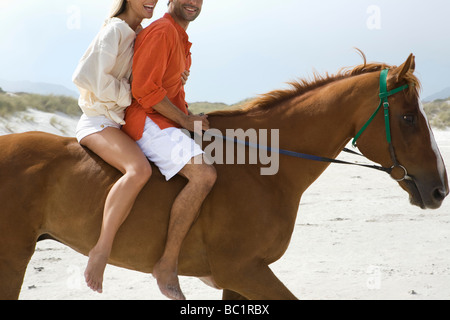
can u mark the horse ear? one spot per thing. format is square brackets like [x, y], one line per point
[409, 65]
[413, 64]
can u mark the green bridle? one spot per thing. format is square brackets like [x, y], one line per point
[384, 95]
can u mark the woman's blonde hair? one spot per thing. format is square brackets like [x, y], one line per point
[118, 7]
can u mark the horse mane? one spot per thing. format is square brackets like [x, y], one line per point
[301, 86]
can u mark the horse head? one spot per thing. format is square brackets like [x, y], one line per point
[414, 155]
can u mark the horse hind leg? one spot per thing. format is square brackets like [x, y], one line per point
[21, 219]
[16, 249]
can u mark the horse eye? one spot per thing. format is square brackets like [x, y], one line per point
[409, 119]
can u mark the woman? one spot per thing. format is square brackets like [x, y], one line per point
[102, 77]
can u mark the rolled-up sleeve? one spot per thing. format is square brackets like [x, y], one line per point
[149, 67]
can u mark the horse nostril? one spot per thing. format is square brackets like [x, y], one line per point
[440, 194]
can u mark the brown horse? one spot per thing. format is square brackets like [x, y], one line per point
[52, 188]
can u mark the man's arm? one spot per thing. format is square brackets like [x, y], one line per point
[170, 111]
[149, 66]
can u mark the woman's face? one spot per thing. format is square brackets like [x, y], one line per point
[142, 8]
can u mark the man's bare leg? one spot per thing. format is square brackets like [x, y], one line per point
[185, 210]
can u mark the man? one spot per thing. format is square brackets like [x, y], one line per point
[158, 111]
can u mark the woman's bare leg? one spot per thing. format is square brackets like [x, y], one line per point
[120, 151]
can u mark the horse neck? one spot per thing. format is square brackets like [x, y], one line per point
[320, 122]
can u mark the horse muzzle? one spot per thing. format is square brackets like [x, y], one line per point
[426, 195]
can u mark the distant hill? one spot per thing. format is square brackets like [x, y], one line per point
[205, 107]
[11, 103]
[438, 112]
[443, 94]
[37, 88]
[20, 112]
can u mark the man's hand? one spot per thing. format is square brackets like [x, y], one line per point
[190, 121]
[170, 111]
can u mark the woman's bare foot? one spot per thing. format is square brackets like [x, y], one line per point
[95, 269]
[167, 280]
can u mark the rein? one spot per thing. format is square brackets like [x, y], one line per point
[384, 94]
[300, 155]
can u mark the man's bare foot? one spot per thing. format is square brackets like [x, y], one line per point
[95, 269]
[167, 280]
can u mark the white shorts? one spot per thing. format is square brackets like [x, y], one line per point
[169, 149]
[89, 125]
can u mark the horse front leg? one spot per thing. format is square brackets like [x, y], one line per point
[255, 282]
[231, 295]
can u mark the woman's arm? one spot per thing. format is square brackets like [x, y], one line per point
[94, 70]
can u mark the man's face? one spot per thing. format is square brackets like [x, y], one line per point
[187, 10]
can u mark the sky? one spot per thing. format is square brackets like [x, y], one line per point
[241, 48]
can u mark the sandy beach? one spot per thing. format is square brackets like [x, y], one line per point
[356, 237]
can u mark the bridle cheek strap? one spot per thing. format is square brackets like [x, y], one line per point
[384, 102]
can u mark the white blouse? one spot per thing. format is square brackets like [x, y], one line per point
[103, 73]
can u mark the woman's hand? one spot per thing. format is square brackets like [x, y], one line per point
[185, 76]
[139, 29]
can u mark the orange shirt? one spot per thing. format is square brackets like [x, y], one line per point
[162, 53]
